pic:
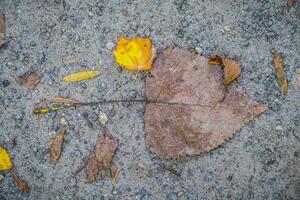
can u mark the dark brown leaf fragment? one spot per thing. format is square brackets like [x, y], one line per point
[290, 3]
[2, 30]
[101, 159]
[197, 113]
[30, 80]
[56, 145]
[22, 185]
[280, 72]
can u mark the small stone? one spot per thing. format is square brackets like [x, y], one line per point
[199, 50]
[1, 177]
[5, 83]
[103, 118]
[226, 29]
[133, 94]
[110, 45]
[208, 176]
[172, 196]
[40, 57]
[298, 70]
[64, 93]
[63, 121]
[279, 128]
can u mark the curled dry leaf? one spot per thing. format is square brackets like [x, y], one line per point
[232, 69]
[2, 30]
[81, 76]
[5, 161]
[135, 54]
[101, 158]
[56, 145]
[192, 112]
[22, 185]
[30, 80]
[280, 72]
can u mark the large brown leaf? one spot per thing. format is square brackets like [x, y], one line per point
[191, 111]
[101, 158]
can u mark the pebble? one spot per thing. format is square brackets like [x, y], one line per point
[40, 57]
[5, 83]
[172, 196]
[63, 121]
[65, 93]
[103, 118]
[279, 128]
[110, 45]
[208, 176]
[226, 29]
[1, 177]
[199, 50]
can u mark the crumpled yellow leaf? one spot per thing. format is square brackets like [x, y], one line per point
[81, 76]
[135, 54]
[5, 162]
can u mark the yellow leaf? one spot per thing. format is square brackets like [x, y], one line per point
[135, 54]
[5, 162]
[81, 76]
[280, 72]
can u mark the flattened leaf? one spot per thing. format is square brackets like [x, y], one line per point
[105, 149]
[280, 72]
[56, 145]
[232, 69]
[196, 113]
[64, 100]
[81, 76]
[94, 171]
[30, 80]
[5, 161]
[2, 30]
[22, 185]
[135, 53]
[102, 157]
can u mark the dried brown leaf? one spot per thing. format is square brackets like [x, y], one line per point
[102, 157]
[280, 72]
[64, 100]
[197, 113]
[22, 185]
[30, 80]
[290, 3]
[94, 171]
[2, 30]
[56, 145]
[232, 69]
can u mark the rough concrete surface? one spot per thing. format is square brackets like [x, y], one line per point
[57, 37]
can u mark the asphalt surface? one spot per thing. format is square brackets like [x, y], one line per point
[63, 36]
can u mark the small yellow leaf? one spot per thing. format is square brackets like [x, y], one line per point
[5, 162]
[81, 76]
[135, 54]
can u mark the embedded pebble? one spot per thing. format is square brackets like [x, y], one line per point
[110, 45]
[103, 118]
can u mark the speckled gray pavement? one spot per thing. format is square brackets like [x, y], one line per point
[57, 37]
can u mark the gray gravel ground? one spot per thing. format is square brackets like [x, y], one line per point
[260, 162]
